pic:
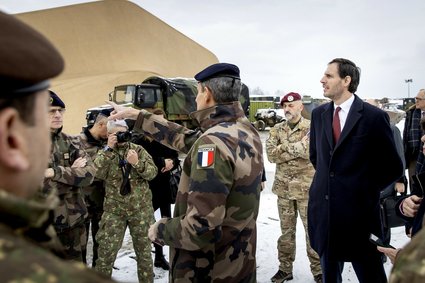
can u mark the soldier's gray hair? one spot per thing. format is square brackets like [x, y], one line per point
[100, 118]
[112, 124]
[224, 89]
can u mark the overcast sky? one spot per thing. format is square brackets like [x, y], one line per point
[285, 45]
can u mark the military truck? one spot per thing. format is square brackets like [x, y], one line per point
[175, 96]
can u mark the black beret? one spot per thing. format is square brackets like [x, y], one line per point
[27, 58]
[218, 70]
[106, 111]
[55, 100]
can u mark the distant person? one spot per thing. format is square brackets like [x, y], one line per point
[166, 159]
[352, 149]
[92, 139]
[213, 234]
[28, 62]
[126, 169]
[288, 147]
[70, 169]
[412, 133]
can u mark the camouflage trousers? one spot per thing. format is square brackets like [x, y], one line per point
[286, 246]
[74, 241]
[111, 235]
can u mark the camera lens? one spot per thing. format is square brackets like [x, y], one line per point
[123, 136]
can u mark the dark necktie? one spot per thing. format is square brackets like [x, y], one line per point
[336, 125]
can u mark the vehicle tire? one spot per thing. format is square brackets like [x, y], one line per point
[260, 125]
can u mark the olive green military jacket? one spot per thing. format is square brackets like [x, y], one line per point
[289, 149]
[212, 236]
[68, 181]
[25, 237]
[109, 170]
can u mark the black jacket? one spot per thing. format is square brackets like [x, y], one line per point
[160, 185]
[344, 196]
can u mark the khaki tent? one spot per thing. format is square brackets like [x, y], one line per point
[108, 43]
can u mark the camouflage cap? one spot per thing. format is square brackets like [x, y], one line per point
[218, 70]
[55, 100]
[27, 58]
[290, 97]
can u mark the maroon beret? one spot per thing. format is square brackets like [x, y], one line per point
[27, 58]
[292, 96]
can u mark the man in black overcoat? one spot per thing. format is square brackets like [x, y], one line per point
[355, 158]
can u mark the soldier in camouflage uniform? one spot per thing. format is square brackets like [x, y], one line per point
[409, 265]
[126, 169]
[212, 236]
[92, 139]
[70, 168]
[25, 234]
[288, 147]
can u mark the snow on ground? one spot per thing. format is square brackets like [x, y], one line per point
[268, 233]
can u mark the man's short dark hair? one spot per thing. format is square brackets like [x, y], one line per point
[24, 104]
[224, 89]
[348, 68]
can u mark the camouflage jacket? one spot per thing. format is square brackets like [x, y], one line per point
[212, 236]
[109, 170]
[24, 242]
[409, 265]
[91, 146]
[287, 148]
[67, 181]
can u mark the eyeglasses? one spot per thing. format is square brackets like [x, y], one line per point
[419, 99]
[53, 111]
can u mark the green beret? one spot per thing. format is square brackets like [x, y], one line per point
[28, 59]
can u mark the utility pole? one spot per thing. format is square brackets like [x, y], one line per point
[408, 81]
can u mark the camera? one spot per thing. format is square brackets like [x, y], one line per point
[123, 136]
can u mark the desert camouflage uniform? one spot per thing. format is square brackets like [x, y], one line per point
[94, 194]
[25, 241]
[294, 173]
[409, 265]
[212, 236]
[133, 210]
[67, 182]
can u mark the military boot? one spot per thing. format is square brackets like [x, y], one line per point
[318, 278]
[281, 276]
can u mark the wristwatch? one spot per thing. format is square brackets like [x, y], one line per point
[107, 148]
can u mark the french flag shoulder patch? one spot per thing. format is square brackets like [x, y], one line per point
[206, 156]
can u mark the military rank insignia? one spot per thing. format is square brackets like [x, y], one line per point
[206, 155]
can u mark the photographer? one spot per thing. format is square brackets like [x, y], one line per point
[126, 169]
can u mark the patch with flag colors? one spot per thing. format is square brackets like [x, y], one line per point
[206, 155]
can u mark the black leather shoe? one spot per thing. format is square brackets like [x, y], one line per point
[161, 262]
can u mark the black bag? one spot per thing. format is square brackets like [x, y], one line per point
[175, 176]
[389, 217]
